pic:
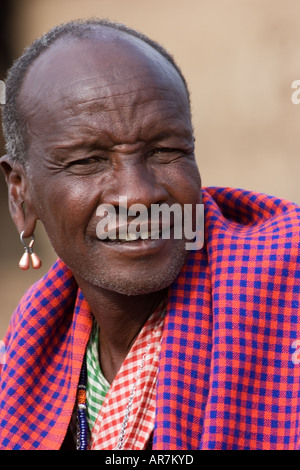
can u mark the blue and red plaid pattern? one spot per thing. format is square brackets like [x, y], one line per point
[226, 379]
[45, 348]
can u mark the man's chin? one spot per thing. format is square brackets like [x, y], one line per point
[135, 282]
[133, 286]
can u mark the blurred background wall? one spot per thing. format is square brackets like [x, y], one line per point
[239, 57]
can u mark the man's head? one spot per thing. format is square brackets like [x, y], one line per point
[106, 116]
[14, 122]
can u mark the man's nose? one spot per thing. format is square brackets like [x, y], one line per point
[135, 184]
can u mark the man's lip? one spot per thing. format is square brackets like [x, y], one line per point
[123, 232]
[137, 248]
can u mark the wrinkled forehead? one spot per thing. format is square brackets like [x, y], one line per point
[105, 60]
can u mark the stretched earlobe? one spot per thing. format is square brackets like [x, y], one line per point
[21, 206]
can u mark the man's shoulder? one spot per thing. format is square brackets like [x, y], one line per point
[249, 210]
[55, 287]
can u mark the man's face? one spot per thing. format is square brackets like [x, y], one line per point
[109, 120]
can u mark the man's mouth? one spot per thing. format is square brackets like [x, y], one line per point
[127, 237]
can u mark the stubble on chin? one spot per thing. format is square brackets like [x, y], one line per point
[144, 281]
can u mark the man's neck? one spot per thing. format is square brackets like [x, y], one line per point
[120, 319]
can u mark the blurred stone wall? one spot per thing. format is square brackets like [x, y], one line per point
[240, 58]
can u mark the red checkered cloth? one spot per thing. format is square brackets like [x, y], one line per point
[144, 357]
[229, 375]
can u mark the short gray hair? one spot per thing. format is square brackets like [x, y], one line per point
[14, 124]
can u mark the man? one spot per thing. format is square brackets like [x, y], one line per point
[149, 344]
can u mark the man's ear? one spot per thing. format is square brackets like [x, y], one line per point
[21, 206]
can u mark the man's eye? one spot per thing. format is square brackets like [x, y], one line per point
[86, 161]
[162, 150]
[87, 165]
[165, 154]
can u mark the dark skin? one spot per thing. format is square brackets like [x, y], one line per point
[106, 122]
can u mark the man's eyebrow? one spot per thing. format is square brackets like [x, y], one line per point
[171, 134]
[74, 145]
[92, 142]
